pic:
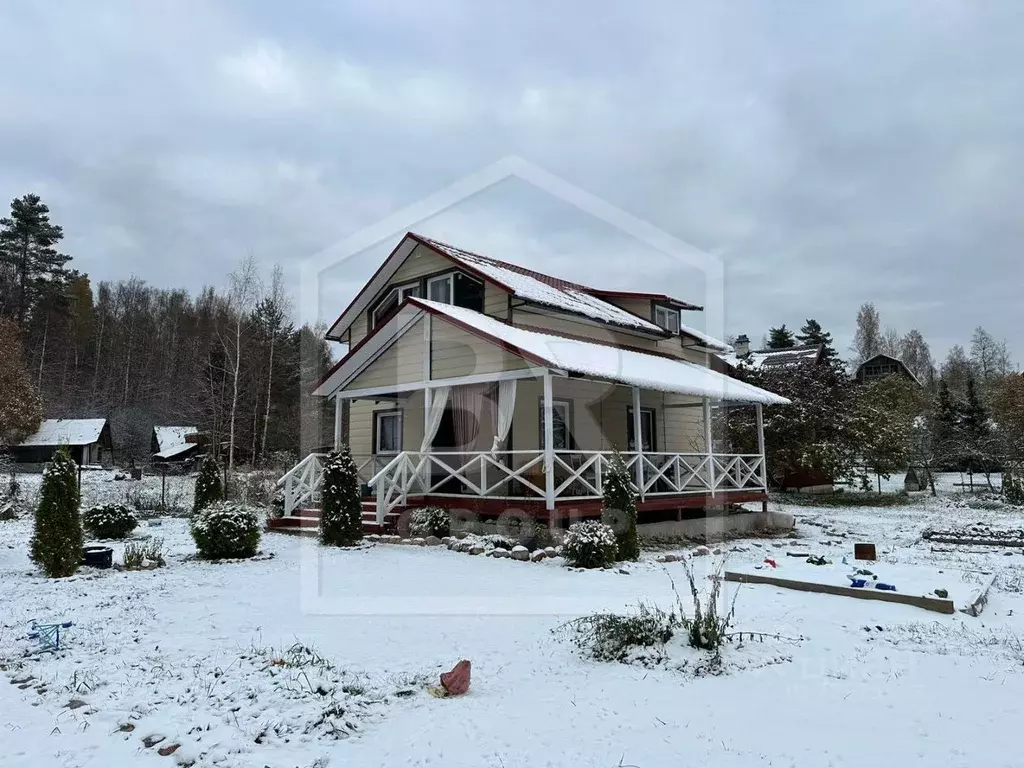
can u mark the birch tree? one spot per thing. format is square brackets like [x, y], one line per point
[243, 293]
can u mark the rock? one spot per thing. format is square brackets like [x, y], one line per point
[418, 542]
[668, 558]
[701, 552]
[446, 540]
[778, 544]
[152, 741]
[432, 541]
[537, 555]
[716, 551]
[519, 552]
[550, 551]
[623, 571]
[75, 704]
[372, 537]
[170, 749]
[499, 552]
[757, 544]
[126, 727]
[476, 549]
[738, 549]
[456, 682]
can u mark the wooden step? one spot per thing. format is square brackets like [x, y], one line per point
[308, 520]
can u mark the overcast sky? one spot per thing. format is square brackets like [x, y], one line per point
[829, 153]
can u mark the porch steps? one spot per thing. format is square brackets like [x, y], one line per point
[306, 521]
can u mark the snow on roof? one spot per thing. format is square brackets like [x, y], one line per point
[66, 432]
[544, 289]
[775, 358]
[174, 450]
[708, 341]
[171, 437]
[610, 363]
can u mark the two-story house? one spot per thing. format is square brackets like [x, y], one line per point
[475, 384]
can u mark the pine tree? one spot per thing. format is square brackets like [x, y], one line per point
[946, 419]
[57, 539]
[208, 484]
[341, 516]
[27, 240]
[813, 333]
[21, 409]
[619, 508]
[780, 338]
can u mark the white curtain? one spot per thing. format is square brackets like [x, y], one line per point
[438, 402]
[506, 407]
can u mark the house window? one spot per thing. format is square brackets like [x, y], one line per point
[439, 289]
[667, 318]
[561, 422]
[389, 432]
[391, 300]
[646, 429]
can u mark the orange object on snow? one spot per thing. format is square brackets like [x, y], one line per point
[771, 562]
[456, 682]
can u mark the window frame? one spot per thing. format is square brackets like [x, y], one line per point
[449, 279]
[402, 291]
[568, 421]
[644, 411]
[671, 312]
[377, 431]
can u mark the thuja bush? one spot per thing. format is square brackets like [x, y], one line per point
[208, 484]
[430, 521]
[110, 521]
[226, 529]
[341, 515]
[590, 545]
[619, 508]
[57, 539]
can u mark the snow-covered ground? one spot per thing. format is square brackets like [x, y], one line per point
[227, 660]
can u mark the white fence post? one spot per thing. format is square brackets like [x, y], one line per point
[549, 444]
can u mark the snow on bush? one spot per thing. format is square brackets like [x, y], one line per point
[614, 637]
[109, 521]
[341, 516]
[144, 554]
[619, 508]
[226, 529]
[208, 485]
[590, 545]
[57, 540]
[430, 521]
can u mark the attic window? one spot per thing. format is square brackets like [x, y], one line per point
[667, 318]
[392, 299]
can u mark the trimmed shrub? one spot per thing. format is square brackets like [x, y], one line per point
[430, 521]
[208, 485]
[590, 545]
[57, 538]
[619, 508]
[109, 521]
[341, 516]
[226, 529]
[1013, 489]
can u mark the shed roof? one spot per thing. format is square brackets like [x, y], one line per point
[66, 432]
[172, 437]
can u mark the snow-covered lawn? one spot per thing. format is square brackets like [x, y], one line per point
[223, 660]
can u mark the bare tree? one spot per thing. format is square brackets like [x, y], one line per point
[243, 292]
[271, 315]
[867, 342]
[891, 343]
[917, 356]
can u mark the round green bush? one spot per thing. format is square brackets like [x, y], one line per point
[430, 521]
[226, 529]
[590, 545]
[109, 521]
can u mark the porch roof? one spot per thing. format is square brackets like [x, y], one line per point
[601, 361]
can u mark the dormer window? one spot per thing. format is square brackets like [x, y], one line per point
[439, 289]
[667, 318]
[392, 299]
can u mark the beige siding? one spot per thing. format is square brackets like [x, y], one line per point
[640, 307]
[495, 301]
[401, 363]
[568, 326]
[361, 418]
[455, 352]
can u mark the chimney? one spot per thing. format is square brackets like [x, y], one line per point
[742, 345]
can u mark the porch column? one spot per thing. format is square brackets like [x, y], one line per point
[709, 444]
[638, 442]
[338, 412]
[760, 445]
[549, 444]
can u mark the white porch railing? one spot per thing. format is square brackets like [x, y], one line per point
[520, 475]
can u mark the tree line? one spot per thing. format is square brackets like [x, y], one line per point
[229, 360]
[966, 414]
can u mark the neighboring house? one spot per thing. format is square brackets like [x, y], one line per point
[806, 354]
[880, 366]
[88, 440]
[476, 384]
[171, 444]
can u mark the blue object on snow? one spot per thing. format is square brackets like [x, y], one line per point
[47, 634]
[886, 587]
[857, 582]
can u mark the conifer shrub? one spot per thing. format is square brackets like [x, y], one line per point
[590, 545]
[109, 521]
[430, 521]
[208, 484]
[57, 539]
[341, 515]
[226, 529]
[619, 508]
